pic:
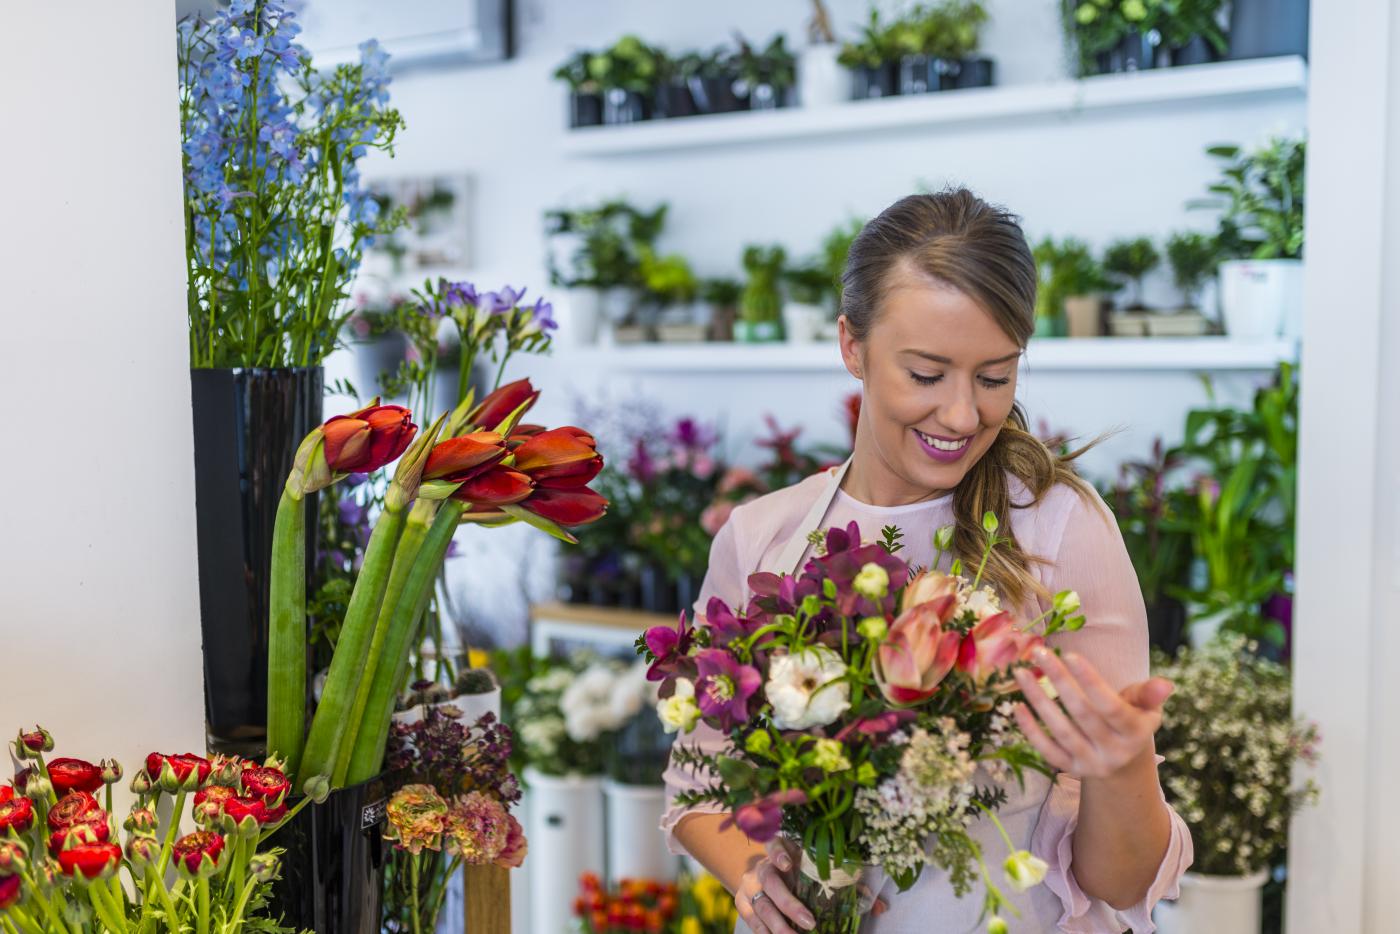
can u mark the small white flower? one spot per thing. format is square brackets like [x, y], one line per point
[1067, 602]
[983, 602]
[801, 691]
[873, 582]
[1024, 870]
[679, 711]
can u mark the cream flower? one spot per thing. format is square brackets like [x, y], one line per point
[801, 689]
[873, 582]
[1024, 870]
[829, 756]
[679, 711]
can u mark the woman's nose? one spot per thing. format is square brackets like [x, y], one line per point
[959, 414]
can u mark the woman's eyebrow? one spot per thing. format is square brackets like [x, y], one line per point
[944, 360]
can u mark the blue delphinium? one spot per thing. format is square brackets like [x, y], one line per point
[276, 212]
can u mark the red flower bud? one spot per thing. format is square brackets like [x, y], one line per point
[76, 807]
[459, 459]
[269, 783]
[499, 486]
[17, 814]
[562, 457]
[522, 432]
[567, 507]
[29, 745]
[366, 440]
[111, 771]
[90, 859]
[9, 891]
[142, 820]
[218, 794]
[78, 833]
[494, 408]
[74, 775]
[256, 808]
[187, 770]
[7, 793]
[14, 857]
[191, 850]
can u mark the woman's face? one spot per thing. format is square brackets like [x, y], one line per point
[940, 381]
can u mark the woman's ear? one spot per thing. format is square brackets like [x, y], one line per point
[852, 349]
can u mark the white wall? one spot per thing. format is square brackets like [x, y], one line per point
[99, 606]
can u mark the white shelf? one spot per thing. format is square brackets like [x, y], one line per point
[1207, 354]
[1268, 77]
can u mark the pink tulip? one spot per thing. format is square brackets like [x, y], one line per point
[917, 653]
[928, 586]
[992, 646]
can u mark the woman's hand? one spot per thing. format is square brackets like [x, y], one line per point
[778, 911]
[1099, 732]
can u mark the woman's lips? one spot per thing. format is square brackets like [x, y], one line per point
[940, 449]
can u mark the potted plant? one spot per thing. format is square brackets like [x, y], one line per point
[1230, 743]
[1193, 258]
[601, 260]
[722, 295]
[673, 95]
[938, 43]
[1261, 234]
[1070, 297]
[761, 304]
[585, 91]
[873, 60]
[1128, 261]
[821, 81]
[1112, 36]
[767, 75]
[807, 308]
[276, 218]
[1192, 32]
[627, 73]
[711, 79]
[669, 288]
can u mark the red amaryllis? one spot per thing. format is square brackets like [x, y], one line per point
[459, 459]
[269, 783]
[190, 850]
[761, 820]
[90, 859]
[492, 410]
[9, 891]
[74, 775]
[567, 507]
[560, 458]
[80, 833]
[17, 814]
[76, 807]
[368, 439]
[182, 764]
[499, 486]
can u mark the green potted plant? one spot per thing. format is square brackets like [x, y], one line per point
[1191, 30]
[1127, 261]
[1231, 743]
[710, 78]
[873, 60]
[761, 304]
[1112, 36]
[766, 75]
[1070, 296]
[595, 252]
[1193, 257]
[669, 288]
[808, 295]
[1261, 197]
[722, 296]
[939, 42]
[585, 91]
[627, 73]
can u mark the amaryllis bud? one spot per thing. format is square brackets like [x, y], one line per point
[263, 867]
[141, 820]
[111, 771]
[143, 850]
[37, 787]
[91, 859]
[197, 854]
[141, 783]
[268, 783]
[499, 486]
[10, 891]
[567, 507]
[317, 788]
[16, 815]
[364, 441]
[14, 857]
[31, 744]
[560, 458]
[79, 834]
[495, 407]
[455, 460]
[74, 775]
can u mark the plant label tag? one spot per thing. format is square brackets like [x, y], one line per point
[372, 815]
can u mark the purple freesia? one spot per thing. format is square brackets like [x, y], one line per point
[761, 820]
[670, 646]
[498, 303]
[724, 687]
[543, 315]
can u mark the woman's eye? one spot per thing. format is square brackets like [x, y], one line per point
[991, 383]
[923, 380]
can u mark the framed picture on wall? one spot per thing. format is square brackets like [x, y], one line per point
[415, 33]
[437, 237]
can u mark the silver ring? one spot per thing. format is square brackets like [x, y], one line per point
[754, 900]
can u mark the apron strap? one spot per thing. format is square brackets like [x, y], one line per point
[794, 553]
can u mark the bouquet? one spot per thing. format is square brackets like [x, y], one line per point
[61, 861]
[451, 806]
[637, 905]
[868, 708]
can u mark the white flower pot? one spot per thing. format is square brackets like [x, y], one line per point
[580, 325]
[1202, 628]
[802, 323]
[1214, 904]
[1262, 298]
[472, 706]
[821, 81]
[636, 845]
[566, 840]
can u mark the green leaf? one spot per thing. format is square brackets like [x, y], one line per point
[539, 522]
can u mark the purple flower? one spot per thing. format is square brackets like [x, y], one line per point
[761, 820]
[724, 687]
[641, 465]
[690, 434]
[543, 315]
[844, 559]
[280, 138]
[876, 726]
[726, 627]
[499, 303]
[670, 646]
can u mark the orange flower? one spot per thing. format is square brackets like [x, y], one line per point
[560, 458]
[459, 459]
[567, 507]
[366, 440]
[498, 486]
[494, 408]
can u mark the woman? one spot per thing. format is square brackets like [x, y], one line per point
[938, 301]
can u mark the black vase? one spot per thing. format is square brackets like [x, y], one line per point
[585, 109]
[658, 595]
[334, 861]
[869, 83]
[1196, 52]
[976, 73]
[919, 74]
[1166, 625]
[621, 106]
[1137, 51]
[1264, 28]
[716, 95]
[247, 426]
[673, 99]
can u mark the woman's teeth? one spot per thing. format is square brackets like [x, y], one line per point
[940, 444]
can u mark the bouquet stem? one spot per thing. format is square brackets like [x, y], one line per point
[836, 910]
[286, 654]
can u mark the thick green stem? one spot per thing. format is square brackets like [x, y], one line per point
[403, 623]
[332, 714]
[171, 833]
[202, 896]
[286, 652]
[414, 534]
[417, 929]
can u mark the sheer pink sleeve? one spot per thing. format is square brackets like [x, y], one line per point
[1093, 560]
[725, 578]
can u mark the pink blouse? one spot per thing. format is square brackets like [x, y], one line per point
[1084, 552]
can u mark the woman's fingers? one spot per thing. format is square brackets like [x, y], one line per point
[1047, 747]
[779, 853]
[1059, 726]
[1100, 696]
[782, 898]
[1087, 715]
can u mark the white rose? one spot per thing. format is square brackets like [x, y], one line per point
[797, 689]
[679, 711]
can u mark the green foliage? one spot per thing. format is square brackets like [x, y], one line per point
[1130, 260]
[629, 64]
[877, 45]
[721, 292]
[576, 75]
[773, 65]
[1183, 20]
[1155, 520]
[1193, 257]
[1066, 269]
[1094, 26]
[609, 241]
[836, 247]
[762, 300]
[949, 29]
[1261, 198]
[667, 279]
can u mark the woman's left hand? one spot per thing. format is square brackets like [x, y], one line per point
[1099, 731]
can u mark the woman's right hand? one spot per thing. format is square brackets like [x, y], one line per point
[778, 911]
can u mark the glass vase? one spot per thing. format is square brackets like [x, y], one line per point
[840, 903]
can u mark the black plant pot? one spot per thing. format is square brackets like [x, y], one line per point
[869, 83]
[764, 96]
[331, 872]
[687, 590]
[976, 73]
[1196, 52]
[1263, 28]
[658, 593]
[919, 74]
[620, 106]
[585, 110]
[716, 95]
[247, 426]
[673, 99]
[1138, 51]
[1166, 625]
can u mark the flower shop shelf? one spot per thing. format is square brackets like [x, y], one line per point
[1043, 355]
[602, 628]
[1259, 78]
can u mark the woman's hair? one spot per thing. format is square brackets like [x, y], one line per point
[956, 238]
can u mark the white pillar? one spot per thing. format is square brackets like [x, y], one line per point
[1344, 859]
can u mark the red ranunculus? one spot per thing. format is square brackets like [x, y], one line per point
[7, 792]
[74, 775]
[9, 891]
[567, 507]
[219, 794]
[76, 807]
[499, 486]
[91, 859]
[561, 457]
[254, 807]
[96, 830]
[181, 764]
[190, 850]
[269, 783]
[492, 410]
[366, 440]
[17, 814]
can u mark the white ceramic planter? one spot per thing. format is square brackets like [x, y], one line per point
[1213, 905]
[566, 837]
[636, 845]
[1201, 629]
[821, 81]
[584, 314]
[1262, 298]
[802, 323]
